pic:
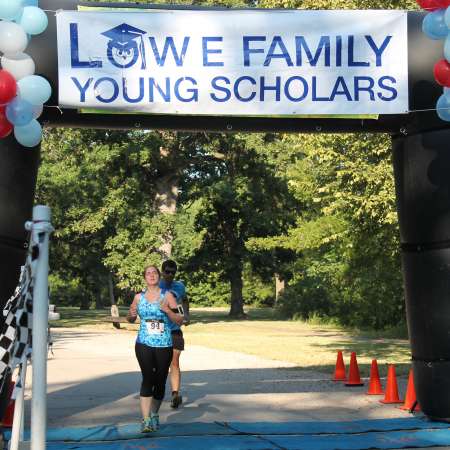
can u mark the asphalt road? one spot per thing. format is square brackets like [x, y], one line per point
[93, 379]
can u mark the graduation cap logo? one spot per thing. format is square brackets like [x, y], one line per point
[125, 45]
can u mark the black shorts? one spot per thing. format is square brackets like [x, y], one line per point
[178, 340]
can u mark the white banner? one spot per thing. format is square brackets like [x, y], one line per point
[234, 62]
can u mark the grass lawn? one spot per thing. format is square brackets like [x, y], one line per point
[265, 335]
[74, 318]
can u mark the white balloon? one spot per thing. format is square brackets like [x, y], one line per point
[13, 38]
[19, 65]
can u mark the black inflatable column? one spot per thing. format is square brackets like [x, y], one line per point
[422, 177]
[18, 172]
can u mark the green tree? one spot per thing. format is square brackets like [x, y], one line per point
[347, 234]
[240, 197]
[102, 186]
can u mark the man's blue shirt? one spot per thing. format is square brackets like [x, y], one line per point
[178, 290]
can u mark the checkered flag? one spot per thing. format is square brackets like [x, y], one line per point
[16, 334]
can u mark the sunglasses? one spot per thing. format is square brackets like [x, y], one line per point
[170, 272]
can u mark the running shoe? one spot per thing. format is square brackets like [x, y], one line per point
[146, 425]
[177, 400]
[154, 421]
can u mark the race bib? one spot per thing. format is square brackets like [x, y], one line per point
[155, 327]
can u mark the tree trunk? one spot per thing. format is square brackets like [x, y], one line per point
[237, 301]
[85, 303]
[166, 203]
[279, 287]
[98, 300]
[111, 289]
[114, 309]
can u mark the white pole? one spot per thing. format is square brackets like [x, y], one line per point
[17, 428]
[41, 229]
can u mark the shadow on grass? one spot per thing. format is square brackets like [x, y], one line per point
[200, 315]
[370, 349]
[384, 351]
[401, 369]
[72, 317]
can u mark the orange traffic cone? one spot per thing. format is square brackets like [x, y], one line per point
[353, 374]
[7, 420]
[411, 403]
[374, 383]
[391, 395]
[339, 371]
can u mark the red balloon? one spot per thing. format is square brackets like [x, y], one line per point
[8, 87]
[430, 5]
[443, 3]
[442, 72]
[5, 126]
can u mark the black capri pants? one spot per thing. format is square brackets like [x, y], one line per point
[154, 363]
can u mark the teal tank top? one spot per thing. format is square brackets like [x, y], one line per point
[154, 330]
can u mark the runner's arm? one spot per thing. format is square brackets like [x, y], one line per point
[132, 311]
[168, 305]
[185, 304]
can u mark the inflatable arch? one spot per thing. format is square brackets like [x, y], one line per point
[421, 158]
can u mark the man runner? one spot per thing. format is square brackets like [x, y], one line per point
[177, 288]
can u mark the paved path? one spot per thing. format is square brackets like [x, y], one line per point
[93, 379]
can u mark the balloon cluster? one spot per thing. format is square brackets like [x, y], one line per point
[22, 94]
[436, 25]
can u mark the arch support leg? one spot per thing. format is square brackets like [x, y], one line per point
[422, 179]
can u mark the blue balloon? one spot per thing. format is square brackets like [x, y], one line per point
[18, 16]
[37, 110]
[9, 9]
[434, 25]
[447, 48]
[30, 2]
[33, 20]
[34, 89]
[443, 108]
[29, 135]
[447, 16]
[19, 112]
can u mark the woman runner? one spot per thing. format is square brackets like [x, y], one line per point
[153, 344]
